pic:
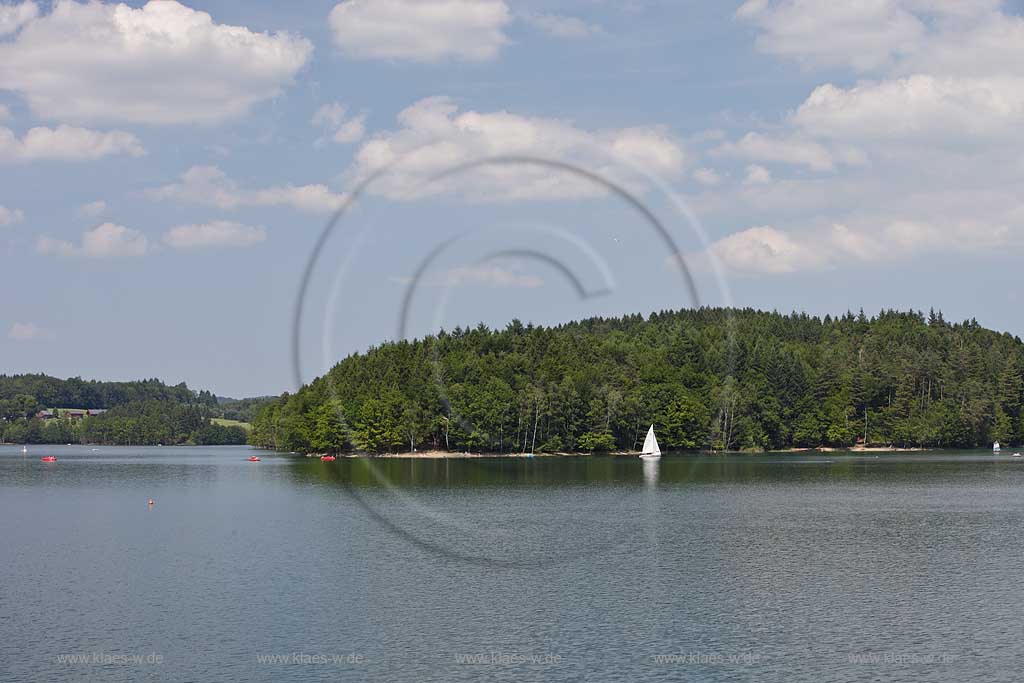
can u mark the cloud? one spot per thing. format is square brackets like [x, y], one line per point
[920, 106]
[10, 216]
[213, 234]
[863, 36]
[420, 30]
[93, 209]
[13, 17]
[866, 239]
[105, 241]
[559, 26]
[763, 250]
[29, 332]
[792, 149]
[342, 129]
[434, 136]
[502, 275]
[958, 76]
[66, 143]
[757, 175]
[930, 93]
[210, 186]
[708, 177]
[164, 63]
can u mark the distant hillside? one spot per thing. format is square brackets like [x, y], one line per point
[75, 392]
[140, 412]
[706, 378]
[241, 409]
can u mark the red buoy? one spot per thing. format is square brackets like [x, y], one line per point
[328, 458]
[253, 458]
[49, 458]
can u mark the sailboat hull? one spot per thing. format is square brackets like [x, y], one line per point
[650, 456]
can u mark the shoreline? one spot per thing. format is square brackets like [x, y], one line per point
[435, 454]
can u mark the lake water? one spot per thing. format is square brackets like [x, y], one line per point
[800, 567]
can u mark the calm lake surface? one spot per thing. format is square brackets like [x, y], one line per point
[799, 567]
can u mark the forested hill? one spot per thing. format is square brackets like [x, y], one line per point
[706, 378]
[142, 412]
[51, 392]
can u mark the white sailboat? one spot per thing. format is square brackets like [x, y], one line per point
[995, 447]
[651, 450]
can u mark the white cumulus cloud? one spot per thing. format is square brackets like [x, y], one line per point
[764, 249]
[920, 106]
[420, 30]
[13, 17]
[66, 143]
[560, 26]
[214, 234]
[108, 240]
[163, 63]
[93, 209]
[862, 35]
[210, 186]
[927, 93]
[434, 136]
[342, 128]
[757, 175]
[789, 150]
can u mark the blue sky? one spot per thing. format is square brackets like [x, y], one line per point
[168, 167]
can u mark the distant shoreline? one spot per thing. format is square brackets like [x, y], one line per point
[435, 454]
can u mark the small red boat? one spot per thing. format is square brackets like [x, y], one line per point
[328, 458]
[49, 458]
[253, 458]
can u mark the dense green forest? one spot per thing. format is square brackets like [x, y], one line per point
[51, 392]
[142, 412]
[708, 378]
[241, 409]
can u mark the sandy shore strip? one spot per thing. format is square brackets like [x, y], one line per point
[432, 454]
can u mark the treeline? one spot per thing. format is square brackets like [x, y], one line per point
[75, 392]
[140, 412]
[145, 423]
[709, 378]
[241, 409]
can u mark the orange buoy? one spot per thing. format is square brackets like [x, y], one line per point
[328, 458]
[253, 458]
[49, 458]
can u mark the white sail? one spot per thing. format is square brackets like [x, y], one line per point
[995, 447]
[650, 444]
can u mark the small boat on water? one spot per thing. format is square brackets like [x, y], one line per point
[253, 458]
[995, 447]
[651, 449]
[328, 458]
[24, 449]
[1016, 455]
[49, 458]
